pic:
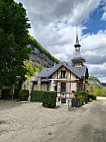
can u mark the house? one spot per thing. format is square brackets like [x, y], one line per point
[64, 78]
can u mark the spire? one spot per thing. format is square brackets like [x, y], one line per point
[77, 60]
[77, 40]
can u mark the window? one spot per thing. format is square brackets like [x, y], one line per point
[63, 87]
[63, 74]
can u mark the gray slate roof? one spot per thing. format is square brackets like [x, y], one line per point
[42, 80]
[78, 71]
[76, 59]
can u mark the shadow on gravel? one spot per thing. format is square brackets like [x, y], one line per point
[8, 104]
[76, 108]
[57, 107]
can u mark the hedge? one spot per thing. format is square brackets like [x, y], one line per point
[36, 96]
[49, 99]
[5, 94]
[16, 94]
[23, 95]
[93, 97]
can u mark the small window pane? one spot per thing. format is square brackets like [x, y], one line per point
[63, 74]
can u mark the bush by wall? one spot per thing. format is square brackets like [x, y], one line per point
[93, 97]
[5, 94]
[36, 96]
[49, 99]
[23, 95]
[83, 94]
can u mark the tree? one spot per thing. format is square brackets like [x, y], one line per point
[32, 67]
[95, 79]
[14, 39]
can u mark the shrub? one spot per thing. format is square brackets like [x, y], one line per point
[80, 99]
[36, 96]
[49, 99]
[77, 101]
[5, 94]
[23, 95]
[16, 94]
[93, 97]
[84, 96]
[76, 94]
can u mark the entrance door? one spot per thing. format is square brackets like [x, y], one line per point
[63, 91]
[63, 88]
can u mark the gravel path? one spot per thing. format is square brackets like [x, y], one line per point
[30, 122]
[88, 126]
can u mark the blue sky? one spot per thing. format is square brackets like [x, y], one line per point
[95, 23]
[53, 24]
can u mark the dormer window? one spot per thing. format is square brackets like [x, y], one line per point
[63, 74]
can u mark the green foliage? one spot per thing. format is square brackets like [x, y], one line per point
[93, 97]
[36, 44]
[77, 101]
[80, 99]
[36, 96]
[16, 94]
[23, 95]
[32, 67]
[104, 91]
[97, 90]
[92, 78]
[49, 99]
[5, 94]
[83, 95]
[14, 39]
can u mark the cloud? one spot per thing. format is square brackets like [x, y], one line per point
[104, 16]
[94, 47]
[98, 71]
[74, 11]
[104, 9]
[54, 26]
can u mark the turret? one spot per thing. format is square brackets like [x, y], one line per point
[77, 60]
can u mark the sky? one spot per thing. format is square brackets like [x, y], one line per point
[54, 22]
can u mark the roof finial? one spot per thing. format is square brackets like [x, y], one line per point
[77, 41]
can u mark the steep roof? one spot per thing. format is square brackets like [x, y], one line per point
[78, 71]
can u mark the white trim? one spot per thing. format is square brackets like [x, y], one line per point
[63, 79]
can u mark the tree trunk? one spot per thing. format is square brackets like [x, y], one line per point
[12, 89]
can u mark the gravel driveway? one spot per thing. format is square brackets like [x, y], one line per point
[30, 122]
